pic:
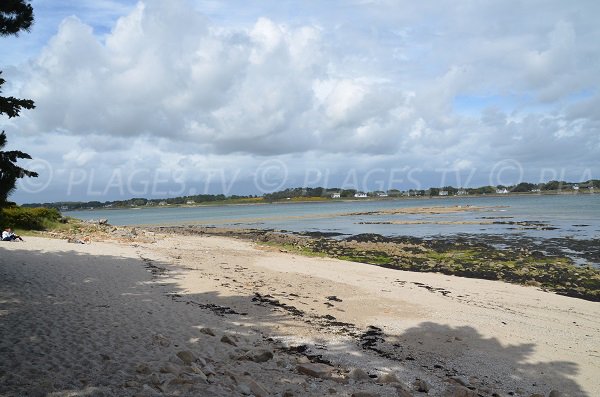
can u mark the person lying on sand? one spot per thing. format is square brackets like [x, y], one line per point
[8, 235]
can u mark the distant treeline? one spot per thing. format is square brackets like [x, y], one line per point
[324, 193]
[523, 187]
[143, 202]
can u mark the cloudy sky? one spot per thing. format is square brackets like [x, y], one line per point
[165, 98]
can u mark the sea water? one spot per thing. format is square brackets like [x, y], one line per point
[571, 216]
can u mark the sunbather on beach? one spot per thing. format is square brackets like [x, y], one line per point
[8, 235]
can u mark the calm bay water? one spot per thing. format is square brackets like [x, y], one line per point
[576, 216]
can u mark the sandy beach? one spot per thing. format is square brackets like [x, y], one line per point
[214, 316]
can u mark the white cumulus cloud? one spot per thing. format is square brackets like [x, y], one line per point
[374, 84]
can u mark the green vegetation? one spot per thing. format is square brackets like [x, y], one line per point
[15, 16]
[29, 218]
[370, 258]
[294, 249]
[216, 199]
[518, 266]
[554, 274]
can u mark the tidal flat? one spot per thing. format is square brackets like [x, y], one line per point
[492, 257]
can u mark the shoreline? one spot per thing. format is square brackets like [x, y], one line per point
[464, 256]
[554, 265]
[369, 329]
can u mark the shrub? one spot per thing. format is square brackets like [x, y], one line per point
[28, 218]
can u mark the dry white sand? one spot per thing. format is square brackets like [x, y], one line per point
[93, 320]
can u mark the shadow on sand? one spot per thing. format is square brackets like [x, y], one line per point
[71, 322]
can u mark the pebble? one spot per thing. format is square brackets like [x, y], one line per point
[195, 368]
[421, 386]
[461, 380]
[555, 393]
[143, 369]
[161, 340]
[208, 370]
[200, 360]
[149, 391]
[167, 386]
[228, 340]
[259, 355]
[403, 391]
[244, 389]
[186, 356]
[170, 368]
[388, 378]
[303, 360]
[175, 389]
[207, 331]
[196, 377]
[132, 383]
[460, 391]
[358, 374]
[316, 370]
[154, 379]
[363, 394]
[257, 389]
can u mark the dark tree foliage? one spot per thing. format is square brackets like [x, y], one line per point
[450, 189]
[524, 187]
[12, 106]
[15, 15]
[554, 185]
[296, 192]
[348, 193]
[9, 171]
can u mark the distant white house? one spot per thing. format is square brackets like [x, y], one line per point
[461, 192]
[591, 188]
[501, 191]
[162, 203]
[190, 202]
[535, 190]
[360, 195]
[575, 187]
[443, 193]
[336, 195]
[382, 194]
